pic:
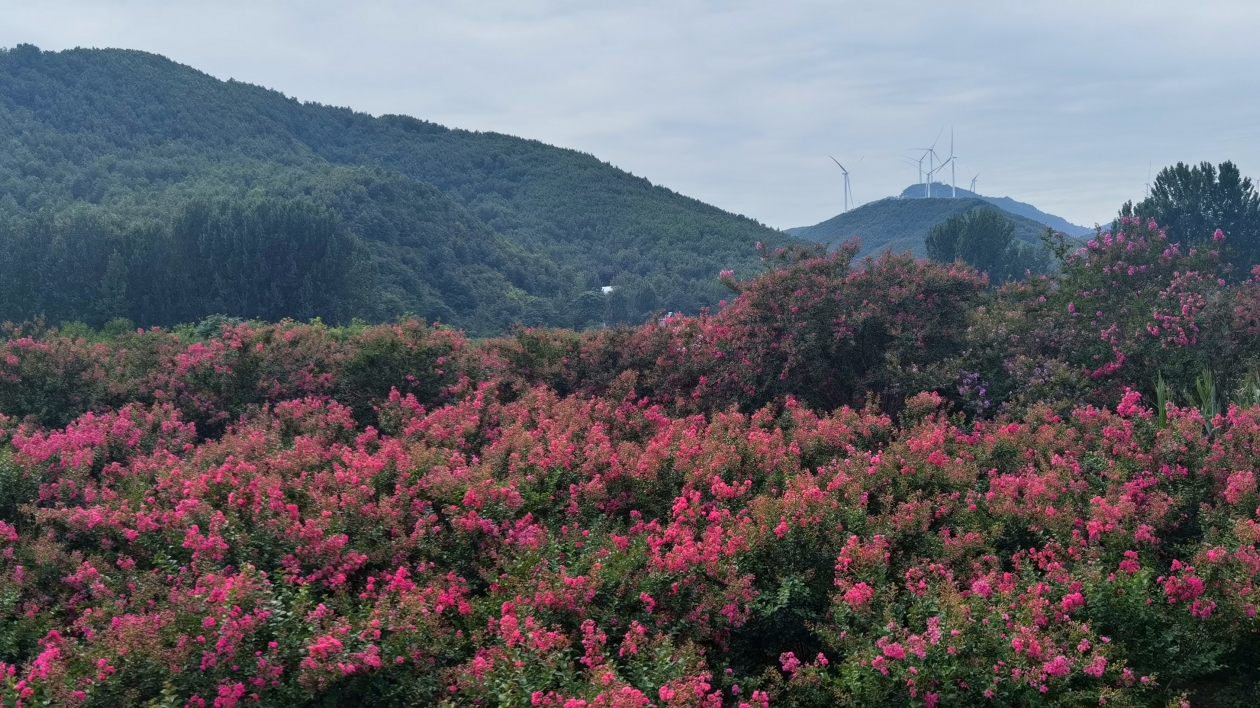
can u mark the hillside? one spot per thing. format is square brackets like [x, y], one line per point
[901, 225]
[113, 158]
[1058, 223]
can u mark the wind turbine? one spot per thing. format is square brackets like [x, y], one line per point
[931, 175]
[973, 183]
[848, 194]
[929, 153]
[934, 156]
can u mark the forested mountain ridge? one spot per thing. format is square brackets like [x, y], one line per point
[1028, 211]
[901, 225]
[107, 152]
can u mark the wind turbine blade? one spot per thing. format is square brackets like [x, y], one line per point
[938, 168]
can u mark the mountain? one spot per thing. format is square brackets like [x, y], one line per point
[899, 224]
[132, 186]
[1028, 211]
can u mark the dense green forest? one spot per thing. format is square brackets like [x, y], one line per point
[134, 187]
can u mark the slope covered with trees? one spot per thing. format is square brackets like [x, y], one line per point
[902, 225]
[1018, 208]
[106, 151]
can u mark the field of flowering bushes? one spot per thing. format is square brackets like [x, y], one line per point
[851, 485]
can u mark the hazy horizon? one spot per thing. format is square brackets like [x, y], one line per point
[1063, 107]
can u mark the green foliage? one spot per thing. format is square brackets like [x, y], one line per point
[1127, 302]
[265, 258]
[1192, 201]
[942, 241]
[17, 487]
[1248, 391]
[1206, 399]
[983, 238]
[1162, 400]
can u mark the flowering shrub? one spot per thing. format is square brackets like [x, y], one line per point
[53, 378]
[814, 328]
[550, 550]
[738, 509]
[1149, 320]
[1127, 307]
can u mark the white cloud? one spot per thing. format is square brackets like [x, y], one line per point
[1061, 104]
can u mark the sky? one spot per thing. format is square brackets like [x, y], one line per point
[1068, 105]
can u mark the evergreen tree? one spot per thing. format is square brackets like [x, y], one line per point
[982, 238]
[985, 240]
[1193, 201]
[942, 240]
[112, 304]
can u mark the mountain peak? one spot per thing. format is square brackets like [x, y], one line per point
[945, 191]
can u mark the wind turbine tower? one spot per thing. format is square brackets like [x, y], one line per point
[928, 154]
[953, 178]
[848, 193]
[933, 156]
[931, 171]
[973, 183]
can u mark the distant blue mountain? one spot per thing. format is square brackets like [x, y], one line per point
[1028, 211]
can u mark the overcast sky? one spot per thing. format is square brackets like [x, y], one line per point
[1063, 104]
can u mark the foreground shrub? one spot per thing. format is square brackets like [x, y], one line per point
[1127, 308]
[51, 378]
[813, 327]
[552, 550]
